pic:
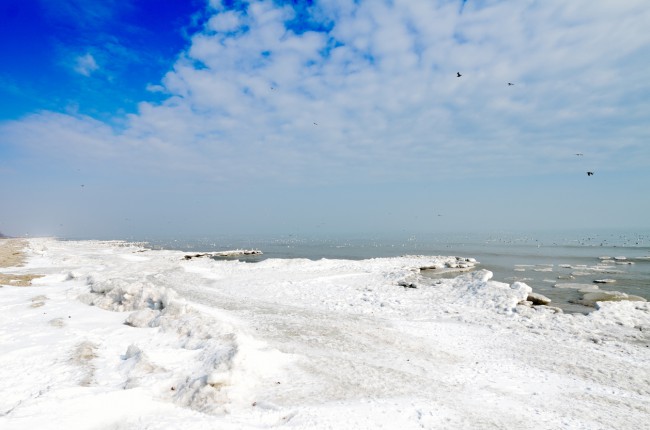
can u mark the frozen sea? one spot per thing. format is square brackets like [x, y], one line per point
[540, 259]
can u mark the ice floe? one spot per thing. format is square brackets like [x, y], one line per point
[591, 298]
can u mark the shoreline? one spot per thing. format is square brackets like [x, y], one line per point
[12, 255]
[567, 299]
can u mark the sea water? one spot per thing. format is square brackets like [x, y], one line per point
[540, 259]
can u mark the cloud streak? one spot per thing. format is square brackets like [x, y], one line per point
[85, 65]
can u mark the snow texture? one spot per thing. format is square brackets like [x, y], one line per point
[118, 336]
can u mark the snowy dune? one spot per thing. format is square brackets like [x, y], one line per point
[117, 336]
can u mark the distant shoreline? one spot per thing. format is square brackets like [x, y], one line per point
[12, 255]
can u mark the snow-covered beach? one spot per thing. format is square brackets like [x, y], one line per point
[118, 336]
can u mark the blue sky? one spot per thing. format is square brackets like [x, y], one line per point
[90, 57]
[140, 118]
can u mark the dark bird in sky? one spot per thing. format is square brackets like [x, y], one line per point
[590, 173]
[315, 124]
[458, 75]
[510, 84]
[579, 154]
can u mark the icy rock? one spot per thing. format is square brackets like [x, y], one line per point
[521, 288]
[480, 276]
[472, 261]
[458, 263]
[102, 287]
[538, 299]
[604, 281]
[475, 289]
[592, 297]
[132, 351]
[123, 295]
[231, 253]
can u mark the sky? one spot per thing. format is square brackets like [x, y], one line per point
[140, 118]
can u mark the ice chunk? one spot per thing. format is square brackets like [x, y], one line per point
[592, 297]
[538, 299]
[142, 318]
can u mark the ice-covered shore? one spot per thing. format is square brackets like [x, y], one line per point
[117, 336]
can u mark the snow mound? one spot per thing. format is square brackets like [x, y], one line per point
[219, 368]
[624, 313]
[209, 365]
[122, 295]
[475, 289]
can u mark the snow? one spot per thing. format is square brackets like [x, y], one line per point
[117, 336]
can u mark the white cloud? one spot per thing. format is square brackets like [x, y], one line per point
[215, 4]
[154, 88]
[224, 22]
[380, 85]
[85, 65]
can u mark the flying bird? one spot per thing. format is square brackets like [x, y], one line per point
[579, 154]
[590, 173]
[510, 84]
[458, 75]
[315, 124]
